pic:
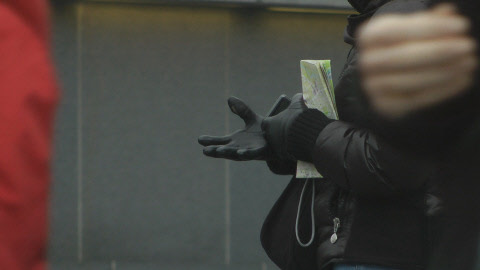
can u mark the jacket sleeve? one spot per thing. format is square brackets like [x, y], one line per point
[355, 159]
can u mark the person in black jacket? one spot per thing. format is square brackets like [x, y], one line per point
[449, 122]
[385, 198]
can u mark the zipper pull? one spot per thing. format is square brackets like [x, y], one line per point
[336, 225]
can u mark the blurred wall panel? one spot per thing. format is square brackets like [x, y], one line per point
[335, 4]
[326, 3]
[132, 188]
[64, 199]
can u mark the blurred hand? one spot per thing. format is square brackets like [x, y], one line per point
[409, 62]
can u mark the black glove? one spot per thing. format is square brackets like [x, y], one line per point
[244, 144]
[292, 133]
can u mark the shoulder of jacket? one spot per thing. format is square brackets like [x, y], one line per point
[402, 7]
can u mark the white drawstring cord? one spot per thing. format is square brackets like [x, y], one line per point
[311, 211]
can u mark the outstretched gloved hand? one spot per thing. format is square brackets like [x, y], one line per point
[244, 144]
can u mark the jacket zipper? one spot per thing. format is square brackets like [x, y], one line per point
[339, 213]
[336, 225]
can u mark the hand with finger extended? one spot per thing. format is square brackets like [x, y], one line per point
[244, 144]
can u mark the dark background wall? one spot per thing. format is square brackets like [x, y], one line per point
[335, 4]
[132, 189]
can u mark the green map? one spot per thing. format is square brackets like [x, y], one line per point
[318, 93]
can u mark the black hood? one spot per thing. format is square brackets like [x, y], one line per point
[365, 6]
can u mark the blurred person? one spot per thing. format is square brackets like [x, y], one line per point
[421, 80]
[28, 98]
[384, 201]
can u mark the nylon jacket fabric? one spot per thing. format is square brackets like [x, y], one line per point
[28, 97]
[461, 187]
[385, 194]
[454, 127]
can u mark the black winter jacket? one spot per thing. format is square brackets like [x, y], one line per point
[453, 127]
[384, 197]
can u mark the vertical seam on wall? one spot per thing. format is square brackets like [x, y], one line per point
[227, 130]
[79, 137]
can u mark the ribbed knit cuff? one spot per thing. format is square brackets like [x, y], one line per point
[303, 134]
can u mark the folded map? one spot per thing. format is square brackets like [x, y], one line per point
[318, 93]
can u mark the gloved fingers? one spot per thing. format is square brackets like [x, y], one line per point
[216, 151]
[298, 102]
[227, 152]
[238, 107]
[297, 97]
[206, 140]
[210, 151]
[251, 154]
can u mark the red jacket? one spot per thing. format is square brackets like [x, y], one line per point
[28, 97]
